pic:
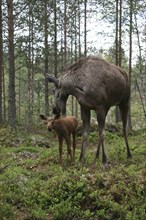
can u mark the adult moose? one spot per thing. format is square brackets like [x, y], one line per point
[97, 85]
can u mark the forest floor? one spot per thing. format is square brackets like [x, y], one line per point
[34, 185]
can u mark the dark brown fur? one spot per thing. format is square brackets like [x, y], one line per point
[65, 126]
[97, 85]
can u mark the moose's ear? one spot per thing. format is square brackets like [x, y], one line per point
[43, 117]
[52, 79]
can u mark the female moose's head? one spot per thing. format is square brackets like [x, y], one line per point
[60, 96]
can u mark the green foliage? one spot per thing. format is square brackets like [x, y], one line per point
[35, 186]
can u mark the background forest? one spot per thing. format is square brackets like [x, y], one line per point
[43, 36]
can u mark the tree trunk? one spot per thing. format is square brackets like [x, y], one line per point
[117, 29]
[55, 38]
[11, 92]
[120, 34]
[46, 58]
[130, 60]
[140, 63]
[76, 52]
[29, 111]
[4, 96]
[118, 47]
[65, 31]
[1, 61]
[79, 32]
[85, 27]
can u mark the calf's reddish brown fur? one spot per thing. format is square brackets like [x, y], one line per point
[65, 126]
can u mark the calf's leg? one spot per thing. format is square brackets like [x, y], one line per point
[60, 140]
[68, 142]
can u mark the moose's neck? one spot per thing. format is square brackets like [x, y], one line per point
[68, 83]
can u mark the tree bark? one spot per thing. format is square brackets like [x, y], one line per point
[55, 38]
[130, 59]
[120, 34]
[46, 59]
[118, 46]
[65, 31]
[11, 92]
[30, 64]
[79, 25]
[117, 29]
[1, 61]
[85, 27]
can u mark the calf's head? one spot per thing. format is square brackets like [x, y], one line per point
[60, 96]
[48, 121]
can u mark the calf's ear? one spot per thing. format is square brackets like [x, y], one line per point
[43, 117]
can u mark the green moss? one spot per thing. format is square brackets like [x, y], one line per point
[35, 185]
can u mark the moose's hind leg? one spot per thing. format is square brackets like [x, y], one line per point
[101, 115]
[124, 115]
[74, 144]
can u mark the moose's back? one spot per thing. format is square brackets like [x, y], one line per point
[95, 82]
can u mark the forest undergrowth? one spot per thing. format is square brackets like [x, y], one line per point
[34, 185]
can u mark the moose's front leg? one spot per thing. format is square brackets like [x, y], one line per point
[85, 115]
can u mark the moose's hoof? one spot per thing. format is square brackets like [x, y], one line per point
[129, 155]
[82, 159]
[106, 166]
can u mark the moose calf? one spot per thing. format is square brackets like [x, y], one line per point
[65, 126]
